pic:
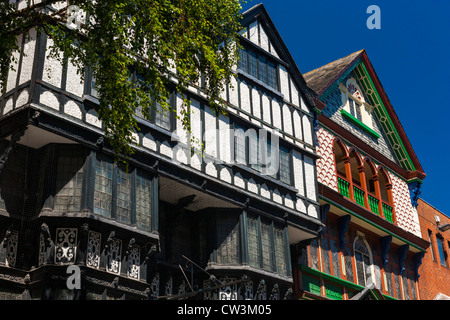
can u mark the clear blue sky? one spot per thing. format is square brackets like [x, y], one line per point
[410, 54]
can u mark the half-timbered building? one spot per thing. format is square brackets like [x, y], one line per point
[216, 222]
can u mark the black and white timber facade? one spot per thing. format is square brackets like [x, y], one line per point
[177, 224]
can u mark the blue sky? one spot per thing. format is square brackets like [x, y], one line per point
[410, 54]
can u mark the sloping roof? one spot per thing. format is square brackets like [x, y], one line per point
[322, 78]
[370, 292]
[319, 79]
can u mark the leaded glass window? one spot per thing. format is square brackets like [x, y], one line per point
[69, 182]
[103, 188]
[254, 242]
[405, 283]
[258, 67]
[143, 202]
[325, 255]
[267, 247]
[123, 195]
[348, 264]
[362, 261]
[228, 244]
[285, 166]
[252, 64]
[162, 116]
[280, 251]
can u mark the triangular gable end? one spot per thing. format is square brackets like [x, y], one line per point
[260, 31]
[328, 78]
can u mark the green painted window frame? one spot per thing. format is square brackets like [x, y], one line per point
[361, 125]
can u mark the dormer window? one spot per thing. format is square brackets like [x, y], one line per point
[355, 109]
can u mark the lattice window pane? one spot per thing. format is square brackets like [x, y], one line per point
[162, 116]
[390, 286]
[103, 188]
[405, 287]
[280, 251]
[285, 166]
[252, 64]
[228, 251]
[271, 75]
[123, 195]
[143, 203]
[262, 69]
[413, 288]
[243, 60]
[360, 269]
[267, 248]
[69, 183]
[254, 247]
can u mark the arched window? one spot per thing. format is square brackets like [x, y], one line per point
[343, 174]
[386, 194]
[363, 260]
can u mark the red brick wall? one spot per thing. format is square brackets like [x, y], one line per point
[434, 277]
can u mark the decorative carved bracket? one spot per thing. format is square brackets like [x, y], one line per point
[417, 262]
[15, 137]
[385, 243]
[402, 250]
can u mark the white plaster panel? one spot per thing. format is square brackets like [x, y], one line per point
[284, 82]
[210, 132]
[8, 106]
[92, 118]
[256, 103]
[196, 124]
[73, 81]
[295, 94]
[253, 28]
[245, 97]
[239, 181]
[297, 125]
[180, 132]
[149, 142]
[264, 39]
[28, 57]
[72, 109]
[288, 202]
[303, 104]
[180, 155]
[211, 170]
[49, 99]
[276, 113]
[165, 149]
[287, 119]
[300, 206]
[22, 98]
[233, 92]
[224, 138]
[312, 211]
[298, 172]
[265, 191]
[309, 178]
[266, 116]
[12, 74]
[52, 68]
[196, 161]
[252, 186]
[225, 175]
[307, 129]
[277, 196]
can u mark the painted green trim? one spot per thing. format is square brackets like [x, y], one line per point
[359, 124]
[337, 280]
[375, 97]
[371, 223]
